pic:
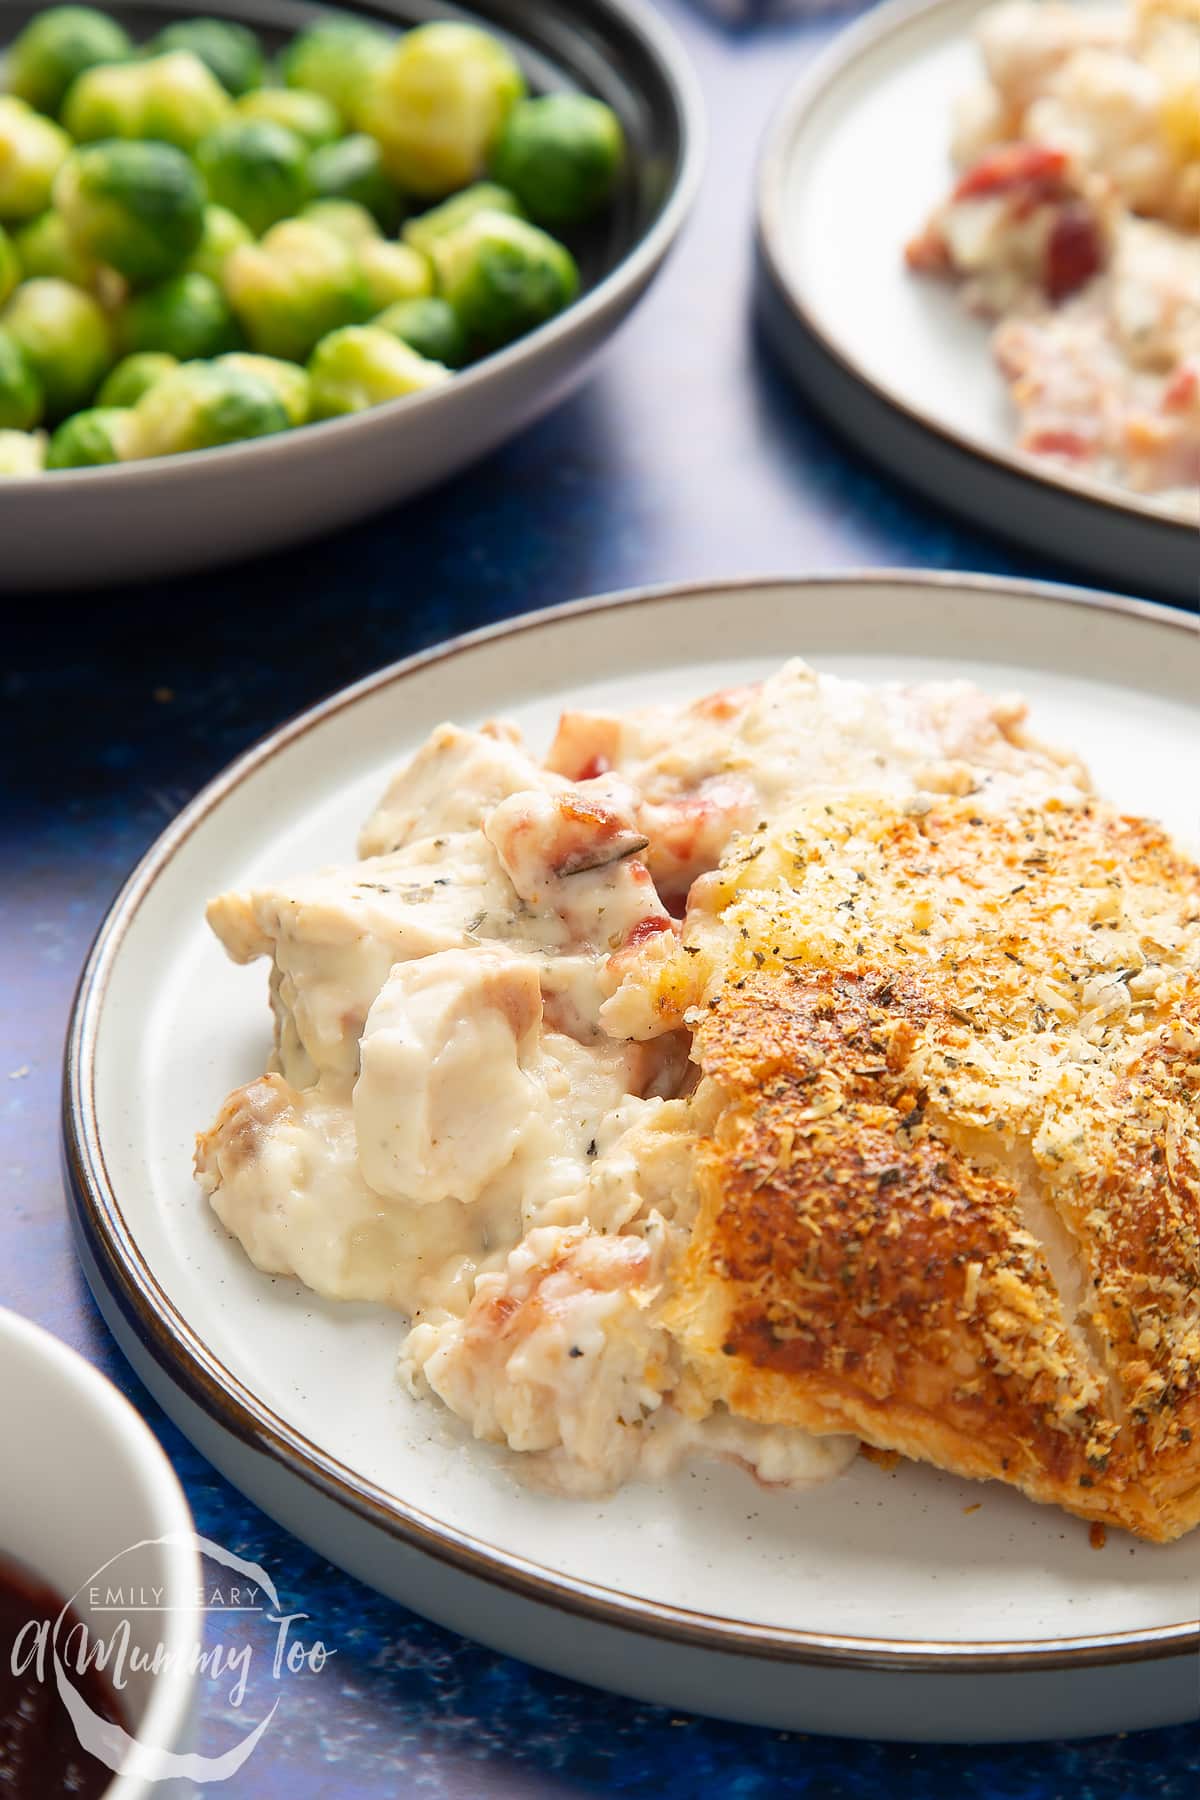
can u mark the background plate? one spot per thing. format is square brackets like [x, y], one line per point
[874, 1606]
[84, 526]
[856, 157]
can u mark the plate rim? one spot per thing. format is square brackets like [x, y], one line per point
[799, 101]
[197, 1373]
[630, 273]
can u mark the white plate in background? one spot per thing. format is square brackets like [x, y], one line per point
[855, 159]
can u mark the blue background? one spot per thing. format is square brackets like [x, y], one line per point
[685, 455]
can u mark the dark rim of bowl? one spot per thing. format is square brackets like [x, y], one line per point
[185, 1359]
[658, 44]
[891, 20]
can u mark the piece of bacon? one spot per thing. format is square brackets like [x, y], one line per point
[594, 766]
[1074, 251]
[645, 929]
[1058, 441]
[1183, 388]
[1038, 167]
[725, 703]
[929, 253]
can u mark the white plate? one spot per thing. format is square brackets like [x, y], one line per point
[854, 160]
[876, 1605]
[79, 527]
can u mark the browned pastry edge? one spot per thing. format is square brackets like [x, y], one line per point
[851, 1270]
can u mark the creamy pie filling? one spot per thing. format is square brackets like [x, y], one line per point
[480, 1109]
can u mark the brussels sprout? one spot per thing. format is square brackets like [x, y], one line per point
[315, 120]
[22, 452]
[393, 272]
[503, 276]
[438, 104]
[137, 207]
[347, 220]
[256, 169]
[360, 367]
[431, 327]
[424, 231]
[59, 45]
[10, 265]
[44, 247]
[32, 150]
[230, 52]
[293, 287]
[21, 399]
[174, 99]
[200, 405]
[134, 376]
[352, 169]
[335, 59]
[88, 439]
[66, 338]
[560, 155]
[223, 232]
[288, 380]
[187, 316]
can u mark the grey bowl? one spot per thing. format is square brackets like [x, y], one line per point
[82, 527]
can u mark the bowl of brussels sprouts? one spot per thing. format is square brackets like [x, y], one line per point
[267, 270]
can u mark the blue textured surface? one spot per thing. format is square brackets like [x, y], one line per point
[685, 456]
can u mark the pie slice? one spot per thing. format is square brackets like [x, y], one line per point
[951, 1201]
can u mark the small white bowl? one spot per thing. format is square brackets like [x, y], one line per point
[84, 1482]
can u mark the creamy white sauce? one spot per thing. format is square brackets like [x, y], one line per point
[444, 1093]
[455, 777]
[282, 1171]
[777, 1455]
